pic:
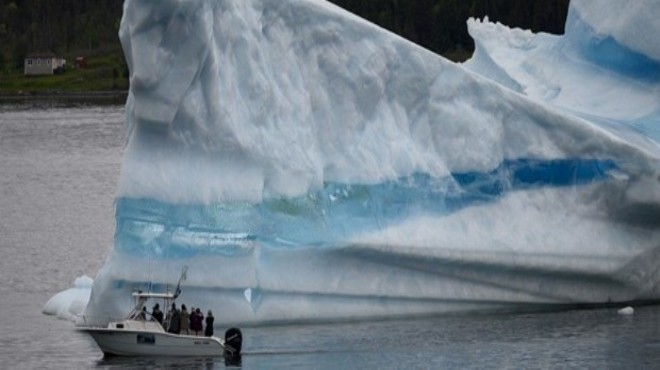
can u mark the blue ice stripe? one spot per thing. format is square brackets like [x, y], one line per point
[335, 213]
[607, 52]
[524, 173]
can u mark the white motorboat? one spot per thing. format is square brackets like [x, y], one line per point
[140, 335]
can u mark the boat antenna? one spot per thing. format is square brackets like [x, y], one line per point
[184, 275]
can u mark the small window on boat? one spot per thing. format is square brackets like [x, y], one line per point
[146, 339]
[120, 326]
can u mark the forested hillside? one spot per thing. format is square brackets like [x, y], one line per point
[60, 26]
[440, 25]
[89, 27]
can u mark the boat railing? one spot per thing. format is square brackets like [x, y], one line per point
[96, 320]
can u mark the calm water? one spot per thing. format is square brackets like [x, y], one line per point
[59, 167]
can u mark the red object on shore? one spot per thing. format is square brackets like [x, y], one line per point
[80, 62]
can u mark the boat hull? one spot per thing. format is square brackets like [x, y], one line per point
[140, 343]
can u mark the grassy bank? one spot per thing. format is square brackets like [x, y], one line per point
[104, 73]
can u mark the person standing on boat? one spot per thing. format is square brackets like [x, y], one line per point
[192, 317]
[209, 324]
[197, 321]
[157, 314]
[175, 320]
[185, 320]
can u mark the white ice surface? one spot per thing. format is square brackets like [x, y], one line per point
[68, 304]
[242, 113]
[293, 94]
[632, 23]
[564, 70]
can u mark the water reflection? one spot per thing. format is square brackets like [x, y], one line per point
[170, 362]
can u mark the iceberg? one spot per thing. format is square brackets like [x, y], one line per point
[68, 304]
[307, 165]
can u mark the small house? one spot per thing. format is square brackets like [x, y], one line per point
[43, 64]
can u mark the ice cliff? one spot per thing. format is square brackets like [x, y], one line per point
[308, 165]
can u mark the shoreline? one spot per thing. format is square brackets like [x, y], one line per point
[5, 95]
[67, 97]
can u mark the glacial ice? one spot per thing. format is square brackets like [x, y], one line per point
[307, 165]
[605, 69]
[68, 304]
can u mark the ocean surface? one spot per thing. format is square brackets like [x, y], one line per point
[59, 166]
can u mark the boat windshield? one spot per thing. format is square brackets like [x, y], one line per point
[141, 299]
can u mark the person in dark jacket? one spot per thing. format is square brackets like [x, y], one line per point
[191, 317]
[198, 321]
[209, 324]
[175, 321]
[157, 314]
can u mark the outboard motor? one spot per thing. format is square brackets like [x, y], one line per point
[233, 341]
